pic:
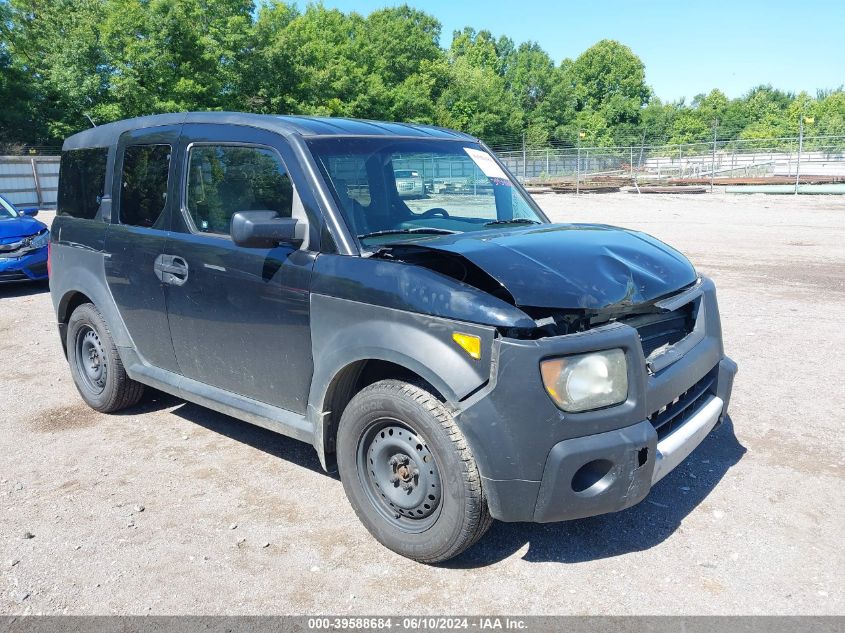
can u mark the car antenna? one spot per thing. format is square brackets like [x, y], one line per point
[85, 114]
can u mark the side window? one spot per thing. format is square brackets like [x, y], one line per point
[143, 189]
[225, 179]
[82, 176]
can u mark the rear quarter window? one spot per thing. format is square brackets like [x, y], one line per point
[143, 192]
[82, 178]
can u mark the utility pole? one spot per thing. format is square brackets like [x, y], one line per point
[800, 147]
[524, 156]
[578, 165]
[713, 165]
[681, 161]
[642, 150]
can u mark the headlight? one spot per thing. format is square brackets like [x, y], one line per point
[583, 382]
[39, 241]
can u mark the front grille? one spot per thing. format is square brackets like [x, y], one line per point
[10, 250]
[671, 416]
[13, 276]
[663, 329]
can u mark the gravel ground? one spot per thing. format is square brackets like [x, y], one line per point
[172, 509]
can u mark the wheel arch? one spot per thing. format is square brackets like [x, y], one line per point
[78, 276]
[349, 379]
[352, 339]
[69, 302]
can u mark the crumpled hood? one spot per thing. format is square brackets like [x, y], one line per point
[571, 266]
[24, 226]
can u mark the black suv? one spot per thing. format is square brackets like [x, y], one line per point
[457, 357]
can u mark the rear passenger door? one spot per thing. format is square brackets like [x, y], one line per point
[240, 320]
[143, 189]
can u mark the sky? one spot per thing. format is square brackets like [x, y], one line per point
[687, 47]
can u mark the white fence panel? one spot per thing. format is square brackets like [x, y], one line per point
[30, 181]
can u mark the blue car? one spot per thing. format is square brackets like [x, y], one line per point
[23, 244]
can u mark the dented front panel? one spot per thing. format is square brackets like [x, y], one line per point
[512, 424]
[414, 289]
[569, 266]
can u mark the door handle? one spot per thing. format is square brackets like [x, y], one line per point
[171, 269]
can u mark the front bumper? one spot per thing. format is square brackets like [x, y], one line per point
[30, 267]
[541, 464]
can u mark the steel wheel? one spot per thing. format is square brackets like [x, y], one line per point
[408, 472]
[91, 359]
[95, 364]
[400, 475]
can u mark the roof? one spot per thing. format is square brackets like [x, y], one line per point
[107, 134]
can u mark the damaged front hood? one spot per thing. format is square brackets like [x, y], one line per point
[14, 228]
[569, 266]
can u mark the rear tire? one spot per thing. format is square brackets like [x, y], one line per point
[409, 474]
[95, 365]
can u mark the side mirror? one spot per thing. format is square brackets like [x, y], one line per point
[30, 211]
[265, 229]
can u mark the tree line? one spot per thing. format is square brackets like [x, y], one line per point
[64, 63]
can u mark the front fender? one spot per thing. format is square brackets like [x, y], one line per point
[344, 332]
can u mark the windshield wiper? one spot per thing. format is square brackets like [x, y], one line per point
[421, 229]
[513, 221]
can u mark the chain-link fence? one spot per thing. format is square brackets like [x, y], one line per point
[821, 158]
[29, 175]
[25, 149]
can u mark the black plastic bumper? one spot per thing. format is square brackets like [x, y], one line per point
[540, 464]
[597, 474]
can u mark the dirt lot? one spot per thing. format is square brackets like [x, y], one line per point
[169, 508]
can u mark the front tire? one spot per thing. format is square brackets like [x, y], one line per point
[95, 365]
[409, 474]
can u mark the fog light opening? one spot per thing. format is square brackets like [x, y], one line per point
[593, 477]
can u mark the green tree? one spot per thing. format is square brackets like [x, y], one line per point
[529, 74]
[764, 111]
[56, 46]
[478, 48]
[610, 79]
[269, 75]
[174, 56]
[323, 61]
[695, 123]
[64, 60]
[609, 91]
[657, 120]
[315, 52]
[476, 101]
[557, 111]
[829, 113]
[395, 42]
[18, 118]
[400, 46]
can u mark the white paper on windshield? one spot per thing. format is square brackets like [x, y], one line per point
[486, 163]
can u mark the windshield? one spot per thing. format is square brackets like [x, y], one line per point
[7, 210]
[395, 189]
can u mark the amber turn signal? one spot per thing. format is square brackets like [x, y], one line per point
[470, 344]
